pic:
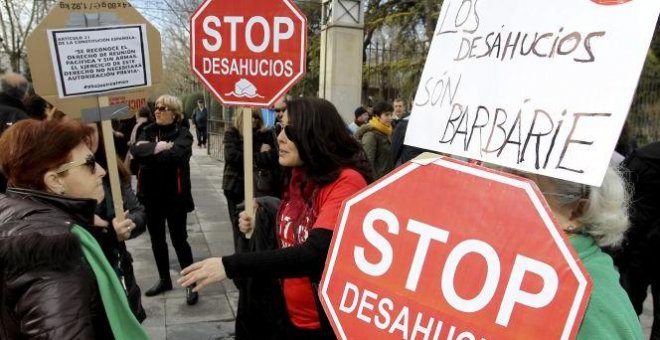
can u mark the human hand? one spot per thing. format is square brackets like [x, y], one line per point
[202, 273]
[99, 222]
[123, 228]
[162, 146]
[264, 148]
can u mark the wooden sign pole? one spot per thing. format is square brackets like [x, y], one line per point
[247, 165]
[111, 157]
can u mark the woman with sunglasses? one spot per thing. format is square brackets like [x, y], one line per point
[324, 166]
[55, 281]
[163, 152]
[596, 217]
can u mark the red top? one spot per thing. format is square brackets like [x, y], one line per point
[324, 213]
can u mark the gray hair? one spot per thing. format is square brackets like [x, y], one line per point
[606, 214]
[14, 85]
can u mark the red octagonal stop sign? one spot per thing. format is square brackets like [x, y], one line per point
[450, 250]
[248, 52]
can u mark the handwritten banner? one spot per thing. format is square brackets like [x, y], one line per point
[539, 86]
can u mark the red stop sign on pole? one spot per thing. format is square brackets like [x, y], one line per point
[450, 250]
[248, 52]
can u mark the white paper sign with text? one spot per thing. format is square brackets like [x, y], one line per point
[539, 86]
[97, 60]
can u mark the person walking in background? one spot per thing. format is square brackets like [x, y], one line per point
[111, 234]
[163, 152]
[595, 217]
[13, 91]
[361, 118]
[200, 117]
[55, 281]
[375, 137]
[324, 166]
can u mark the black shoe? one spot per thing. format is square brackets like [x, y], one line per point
[160, 287]
[191, 297]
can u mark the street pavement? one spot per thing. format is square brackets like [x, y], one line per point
[209, 234]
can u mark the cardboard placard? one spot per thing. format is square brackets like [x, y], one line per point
[105, 59]
[544, 88]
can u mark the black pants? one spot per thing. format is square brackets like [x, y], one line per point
[233, 200]
[636, 277]
[201, 135]
[176, 223]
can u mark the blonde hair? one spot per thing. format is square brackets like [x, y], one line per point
[238, 119]
[174, 104]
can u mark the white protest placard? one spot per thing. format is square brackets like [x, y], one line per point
[539, 86]
[99, 59]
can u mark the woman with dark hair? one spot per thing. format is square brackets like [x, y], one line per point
[376, 138]
[55, 281]
[163, 151]
[324, 166]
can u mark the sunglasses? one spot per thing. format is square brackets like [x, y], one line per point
[288, 130]
[162, 108]
[279, 110]
[89, 162]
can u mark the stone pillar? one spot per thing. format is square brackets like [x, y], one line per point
[342, 35]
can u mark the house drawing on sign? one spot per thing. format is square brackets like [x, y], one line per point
[244, 89]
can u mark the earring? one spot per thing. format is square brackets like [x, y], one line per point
[571, 229]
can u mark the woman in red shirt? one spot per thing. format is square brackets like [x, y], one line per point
[325, 165]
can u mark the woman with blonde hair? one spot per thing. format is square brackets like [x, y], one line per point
[163, 153]
[595, 217]
[265, 159]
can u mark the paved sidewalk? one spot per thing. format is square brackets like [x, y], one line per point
[209, 234]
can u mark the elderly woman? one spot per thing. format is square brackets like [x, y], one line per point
[163, 152]
[595, 217]
[55, 281]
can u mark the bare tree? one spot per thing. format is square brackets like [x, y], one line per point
[17, 19]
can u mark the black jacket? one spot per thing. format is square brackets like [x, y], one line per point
[402, 153]
[47, 289]
[164, 178]
[232, 179]
[115, 251]
[11, 111]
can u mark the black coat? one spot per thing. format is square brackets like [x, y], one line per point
[233, 175]
[47, 288]
[164, 178]
[115, 251]
[11, 111]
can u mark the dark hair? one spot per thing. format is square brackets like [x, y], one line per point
[380, 108]
[35, 107]
[324, 143]
[100, 155]
[200, 101]
[360, 111]
[30, 148]
[144, 112]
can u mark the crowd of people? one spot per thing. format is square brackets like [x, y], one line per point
[67, 273]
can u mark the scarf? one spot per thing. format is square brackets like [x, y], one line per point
[385, 129]
[123, 323]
